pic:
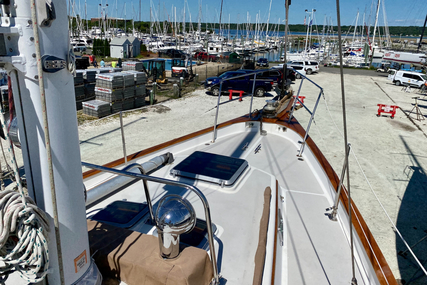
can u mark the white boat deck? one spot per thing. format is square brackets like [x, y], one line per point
[315, 250]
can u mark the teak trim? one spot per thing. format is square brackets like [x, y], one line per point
[276, 228]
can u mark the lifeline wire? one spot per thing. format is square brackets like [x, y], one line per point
[353, 280]
[378, 200]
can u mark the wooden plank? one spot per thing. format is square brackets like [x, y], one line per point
[276, 226]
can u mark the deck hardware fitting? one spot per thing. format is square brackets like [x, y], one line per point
[245, 146]
[280, 228]
[333, 215]
[249, 124]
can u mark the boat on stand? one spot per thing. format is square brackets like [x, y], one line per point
[251, 200]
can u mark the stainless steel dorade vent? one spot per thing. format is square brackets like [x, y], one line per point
[174, 216]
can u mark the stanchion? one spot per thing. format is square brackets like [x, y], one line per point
[123, 138]
[176, 90]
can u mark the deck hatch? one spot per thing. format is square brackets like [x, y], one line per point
[215, 168]
[122, 214]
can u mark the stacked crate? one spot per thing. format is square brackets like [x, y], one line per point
[117, 88]
[89, 77]
[140, 77]
[96, 108]
[113, 69]
[132, 65]
[139, 90]
[79, 86]
[129, 92]
[102, 70]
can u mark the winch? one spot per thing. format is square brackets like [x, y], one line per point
[270, 109]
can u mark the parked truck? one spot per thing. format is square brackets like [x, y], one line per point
[204, 56]
[242, 81]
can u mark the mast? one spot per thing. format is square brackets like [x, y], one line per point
[151, 24]
[285, 66]
[306, 38]
[268, 20]
[362, 26]
[376, 22]
[87, 24]
[422, 34]
[247, 25]
[228, 27]
[139, 11]
[117, 16]
[355, 26]
[133, 21]
[220, 16]
[199, 26]
[237, 34]
[322, 43]
[49, 138]
[183, 20]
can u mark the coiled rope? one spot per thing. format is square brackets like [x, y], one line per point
[23, 245]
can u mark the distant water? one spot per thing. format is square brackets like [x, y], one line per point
[273, 55]
[168, 64]
[243, 33]
[233, 34]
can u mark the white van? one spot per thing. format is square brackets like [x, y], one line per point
[411, 78]
[309, 66]
[300, 70]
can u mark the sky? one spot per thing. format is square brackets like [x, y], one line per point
[398, 13]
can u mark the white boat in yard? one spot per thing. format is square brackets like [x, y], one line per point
[242, 202]
[416, 59]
